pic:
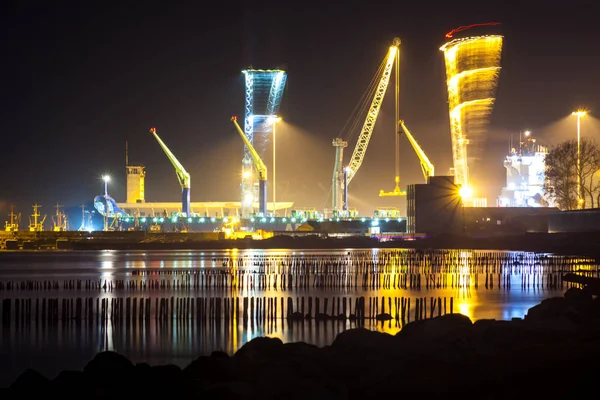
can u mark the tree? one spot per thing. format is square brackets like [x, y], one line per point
[560, 183]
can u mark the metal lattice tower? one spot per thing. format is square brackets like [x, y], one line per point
[337, 180]
[264, 91]
[472, 71]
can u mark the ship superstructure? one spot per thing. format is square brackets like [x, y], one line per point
[525, 168]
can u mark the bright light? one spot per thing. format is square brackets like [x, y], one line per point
[527, 133]
[274, 119]
[580, 113]
[465, 192]
[106, 178]
[246, 174]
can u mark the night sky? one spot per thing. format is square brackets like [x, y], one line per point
[79, 82]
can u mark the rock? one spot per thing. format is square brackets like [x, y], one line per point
[71, 382]
[30, 381]
[557, 308]
[449, 327]
[216, 368]
[260, 348]
[229, 390]
[108, 363]
[354, 340]
[383, 317]
[297, 316]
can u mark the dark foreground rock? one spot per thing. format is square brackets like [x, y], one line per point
[553, 353]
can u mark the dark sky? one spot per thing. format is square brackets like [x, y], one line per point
[78, 82]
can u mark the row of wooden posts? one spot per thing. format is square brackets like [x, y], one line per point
[126, 310]
[209, 280]
[405, 261]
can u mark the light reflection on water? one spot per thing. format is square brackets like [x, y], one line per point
[179, 341]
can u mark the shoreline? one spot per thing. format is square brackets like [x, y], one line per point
[552, 352]
[582, 244]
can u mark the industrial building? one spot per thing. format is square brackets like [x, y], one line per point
[437, 208]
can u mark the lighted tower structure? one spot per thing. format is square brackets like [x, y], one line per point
[264, 90]
[136, 175]
[472, 71]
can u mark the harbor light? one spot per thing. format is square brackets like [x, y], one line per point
[106, 179]
[465, 192]
[579, 114]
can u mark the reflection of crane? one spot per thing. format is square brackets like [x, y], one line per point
[182, 175]
[358, 154]
[426, 165]
[261, 168]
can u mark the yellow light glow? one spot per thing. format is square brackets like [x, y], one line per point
[580, 113]
[465, 192]
[246, 174]
[472, 69]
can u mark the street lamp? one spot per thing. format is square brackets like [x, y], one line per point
[106, 179]
[579, 114]
[274, 120]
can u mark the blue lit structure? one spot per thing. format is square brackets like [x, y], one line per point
[264, 91]
[107, 206]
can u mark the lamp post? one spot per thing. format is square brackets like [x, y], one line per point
[106, 179]
[579, 114]
[275, 121]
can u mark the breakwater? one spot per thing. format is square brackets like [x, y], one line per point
[552, 353]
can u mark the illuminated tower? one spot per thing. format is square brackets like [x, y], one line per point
[264, 90]
[472, 70]
[136, 175]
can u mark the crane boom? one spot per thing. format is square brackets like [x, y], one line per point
[260, 166]
[426, 165]
[182, 175]
[358, 154]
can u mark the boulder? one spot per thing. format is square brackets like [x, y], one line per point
[446, 328]
[216, 368]
[354, 340]
[259, 349]
[556, 308]
[30, 381]
[108, 363]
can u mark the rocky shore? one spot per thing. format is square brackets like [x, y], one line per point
[553, 353]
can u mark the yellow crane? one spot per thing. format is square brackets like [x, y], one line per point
[343, 176]
[426, 165]
[261, 168]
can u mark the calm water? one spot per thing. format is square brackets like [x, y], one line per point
[520, 280]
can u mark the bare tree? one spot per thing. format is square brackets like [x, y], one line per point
[560, 182]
